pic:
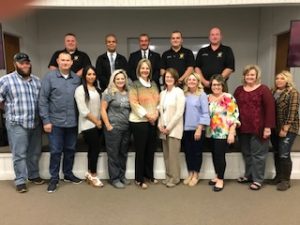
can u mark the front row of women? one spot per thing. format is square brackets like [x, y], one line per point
[190, 115]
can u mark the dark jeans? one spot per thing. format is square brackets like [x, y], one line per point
[117, 144]
[62, 140]
[255, 153]
[193, 150]
[93, 139]
[219, 148]
[145, 138]
[282, 145]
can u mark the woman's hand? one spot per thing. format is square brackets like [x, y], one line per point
[282, 133]
[197, 134]
[230, 138]
[267, 133]
[99, 124]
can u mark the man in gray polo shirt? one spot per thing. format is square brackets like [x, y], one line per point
[58, 112]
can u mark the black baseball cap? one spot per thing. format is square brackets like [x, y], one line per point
[21, 57]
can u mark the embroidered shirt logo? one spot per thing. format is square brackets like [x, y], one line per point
[76, 57]
[220, 54]
[181, 56]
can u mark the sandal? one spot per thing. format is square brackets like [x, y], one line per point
[243, 180]
[255, 186]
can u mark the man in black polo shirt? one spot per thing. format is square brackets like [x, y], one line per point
[178, 57]
[80, 59]
[110, 61]
[214, 59]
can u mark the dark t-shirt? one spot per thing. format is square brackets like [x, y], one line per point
[180, 60]
[80, 60]
[214, 62]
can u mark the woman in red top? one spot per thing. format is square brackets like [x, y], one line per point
[257, 116]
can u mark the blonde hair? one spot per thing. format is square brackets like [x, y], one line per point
[288, 77]
[199, 88]
[147, 61]
[112, 88]
[252, 67]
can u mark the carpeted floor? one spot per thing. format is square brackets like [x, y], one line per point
[84, 205]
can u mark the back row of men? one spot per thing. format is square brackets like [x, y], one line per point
[213, 59]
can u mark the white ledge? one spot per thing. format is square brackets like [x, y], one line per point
[156, 3]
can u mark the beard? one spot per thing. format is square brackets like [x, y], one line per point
[22, 72]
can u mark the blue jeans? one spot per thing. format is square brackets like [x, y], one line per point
[62, 140]
[255, 152]
[25, 145]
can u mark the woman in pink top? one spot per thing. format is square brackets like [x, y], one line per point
[257, 116]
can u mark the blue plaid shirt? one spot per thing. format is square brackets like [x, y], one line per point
[20, 99]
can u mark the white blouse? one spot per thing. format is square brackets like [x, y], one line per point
[84, 108]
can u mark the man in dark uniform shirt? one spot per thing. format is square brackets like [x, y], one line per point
[178, 57]
[214, 59]
[144, 52]
[80, 59]
[110, 61]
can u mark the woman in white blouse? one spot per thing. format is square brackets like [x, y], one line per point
[170, 124]
[88, 97]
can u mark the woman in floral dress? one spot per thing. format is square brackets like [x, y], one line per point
[224, 115]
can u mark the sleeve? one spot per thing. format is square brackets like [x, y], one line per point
[180, 100]
[232, 111]
[44, 100]
[163, 64]
[124, 63]
[134, 102]
[198, 62]
[293, 107]
[131, 68]
[107, 97]
[3, 90]
[230, 62]
[81, 103]
[190, 60]
[53, 60]
[269, 108]
[86, 61]
[204, 118]
[99, 72]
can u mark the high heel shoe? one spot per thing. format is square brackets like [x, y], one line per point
[94, 181]
[141, 185]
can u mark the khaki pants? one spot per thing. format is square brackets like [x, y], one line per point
[171, 149]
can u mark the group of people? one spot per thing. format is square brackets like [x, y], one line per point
[116, 99]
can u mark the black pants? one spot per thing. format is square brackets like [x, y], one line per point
[219, 148]
[93, 139]
[145, 138]
[193, 150]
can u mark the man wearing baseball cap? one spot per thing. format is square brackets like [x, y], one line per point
[19, 93]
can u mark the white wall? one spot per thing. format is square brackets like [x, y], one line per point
[274, 21]
[26, 28]
[251, 32]
[240, 28]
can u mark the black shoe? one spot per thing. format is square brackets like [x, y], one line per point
[52, 186]
[21, 188]
[217, 189]
[211, 182]
[37, 180]
[73, 179]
